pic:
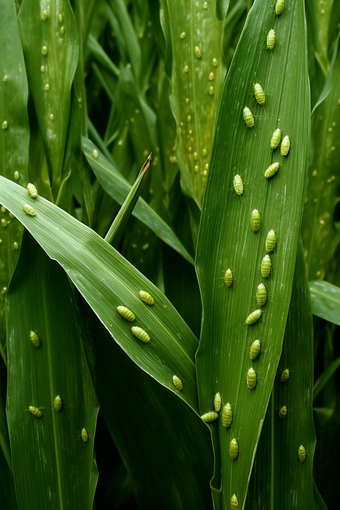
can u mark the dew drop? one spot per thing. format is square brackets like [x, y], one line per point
[44, 15]
[211, 76]
[211, 91]
[47, 87]
[16, 175]
[204, 152]
[3, 209]
[206, 166]
[196, 168]
[205, 5]
[182, 36]
[3, 222]
[198, 52]
[214, 62]
[5, 78]
[315, 173]
[42, 69]
[62, 30]
[187, 101]
[95, 153]
[4, 124]
[333, 148]
[205, 172]
[44, 50]
[330, 130]
[120, 142]
[190, 132]
[61, 18]
[15, 246]
[185, 69]
[51, 116]
[195, 156]
[4, 290]
[189, 118]
[317, 274]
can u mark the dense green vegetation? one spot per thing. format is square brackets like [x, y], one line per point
[218, 388]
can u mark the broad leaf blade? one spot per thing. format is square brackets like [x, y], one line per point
[107, 280]
[14, 139]
[279, 480]
[50, 42]
[226, 239]
[52, 465]
[325, 300]
[155, 432]
[194, 51]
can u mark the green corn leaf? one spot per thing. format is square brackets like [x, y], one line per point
[279, 479]
[325, 300]
[50, 42]
[14, 140]
[48, 449]
[195, 61]
[118, 188]
[318, 229]
[107, 280]
[226, 239]
[170, 458]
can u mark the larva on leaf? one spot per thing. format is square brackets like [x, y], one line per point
[285, 146]
[29, 210]
[271, 170]
[228, 278]
[266, 266]
[238, 185]
[140, 334]
[270, 241]
[146, 297]
[58, 403]
[271, 39]
[217, 402]
[227, 416]
[253, 317]
[282, 412]
[276, 139]
[285, 375]
[84, 435]
[248, 117]
[209, 417]
[251, 378]
[234, 502]
[233, 449]
[279, 6]
[32, 190]
[34, 339]
[126, 313]
[255, 220]
[261, 295]
[177, 382]
[35, 411]
[259, 94]
[255, 349]
[302, 453]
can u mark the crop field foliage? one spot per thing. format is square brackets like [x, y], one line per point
[169, 254]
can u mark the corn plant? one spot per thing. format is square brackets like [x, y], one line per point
[157, 336]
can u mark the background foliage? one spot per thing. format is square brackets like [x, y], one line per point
[87, 91]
